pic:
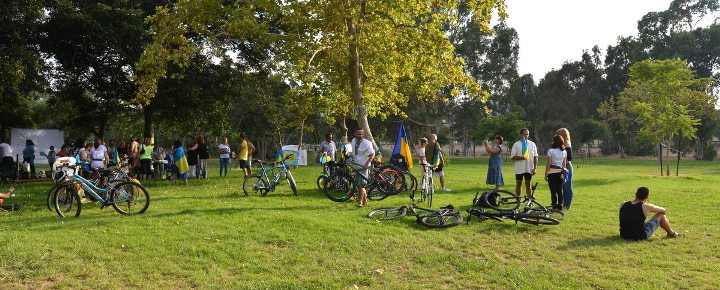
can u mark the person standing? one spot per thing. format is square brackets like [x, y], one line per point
[6, 153]
[146, 159]
[494, 175]
[180, 166]
[363, 154]
[327, 146]
[224, 151]
[421, 153]
[633, 214]
[51, 156]
[246, 149]
[98, 155]
[567, 184]
[192, 158]
[133, 153]
[29, 156]
[433, 151]
[524, 153]
[203, 156]
[555, 169]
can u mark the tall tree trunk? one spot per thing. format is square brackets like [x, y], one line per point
[354, 70]
[148, 131]
[677, 166]
[660, 157]
[667, 164]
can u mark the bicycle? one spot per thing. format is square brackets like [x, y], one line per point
[341, 186]
[261, 184]
[427, 187]
[325, 173]
[507, 205]
[445, 217]
[101, 178]
[124, 196]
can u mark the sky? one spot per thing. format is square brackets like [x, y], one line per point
[552, 32]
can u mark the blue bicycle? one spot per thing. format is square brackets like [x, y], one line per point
[126, 197]
[261, 184]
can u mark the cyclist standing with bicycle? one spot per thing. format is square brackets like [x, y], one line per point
[363, 154]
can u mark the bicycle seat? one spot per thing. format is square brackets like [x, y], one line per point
[260, 161]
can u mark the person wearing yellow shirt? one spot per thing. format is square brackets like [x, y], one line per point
[246, 151]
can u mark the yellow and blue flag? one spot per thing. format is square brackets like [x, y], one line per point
[181, 160]
[525, 151]
[402, 149]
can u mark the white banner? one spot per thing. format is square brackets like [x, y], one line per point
[43, 139]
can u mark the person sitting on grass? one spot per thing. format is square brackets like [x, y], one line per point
[4, 196]
[633, 214]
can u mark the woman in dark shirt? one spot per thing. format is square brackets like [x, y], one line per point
[203, 156]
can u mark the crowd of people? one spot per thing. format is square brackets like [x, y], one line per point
[142, 160]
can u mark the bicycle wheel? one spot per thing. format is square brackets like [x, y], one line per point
[67, 201]
[51, 195]
[502, 200]
[255, 184]
[441, 219]
[129, 198]
[393, 176]
[410, 182]
[430, 191]
[321, 181]
[339, 187]
[291, 182]
[535, 219]
[387, 213]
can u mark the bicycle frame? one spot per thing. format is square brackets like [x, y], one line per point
[276, 177]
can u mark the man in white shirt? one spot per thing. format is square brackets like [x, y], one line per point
[363, 154]
[6, 153]
[328, 147]
[525, 162]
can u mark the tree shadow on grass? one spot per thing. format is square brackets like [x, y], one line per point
[593, 181]
[594, 242]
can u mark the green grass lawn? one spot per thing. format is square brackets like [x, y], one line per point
[209, 235]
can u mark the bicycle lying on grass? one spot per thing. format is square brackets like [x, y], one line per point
[445, 217]
[125, 197]
[506, 205]
[261, 184]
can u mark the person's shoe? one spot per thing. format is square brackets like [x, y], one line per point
[446, 190]
[360, 205]
[676, 235]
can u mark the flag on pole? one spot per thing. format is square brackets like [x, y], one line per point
[402, 149]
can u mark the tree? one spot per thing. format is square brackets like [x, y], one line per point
[355, 52]
[94, 45]
[668, 100]
[21, 66]
[588, 130]
[507, 125]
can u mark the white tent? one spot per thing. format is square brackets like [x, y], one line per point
[43, 139]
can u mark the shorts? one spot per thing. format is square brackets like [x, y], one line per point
[439, 171]
[361, 182]
[527, 176]
[244, 163]
[650, 227]
[145, 166]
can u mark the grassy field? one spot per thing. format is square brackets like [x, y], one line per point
[209, 235]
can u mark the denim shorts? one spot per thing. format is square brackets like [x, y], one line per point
[650, 227]
[360, 182]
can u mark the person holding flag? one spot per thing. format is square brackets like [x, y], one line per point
[401, 152]
[181, 167]
[524, 153]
